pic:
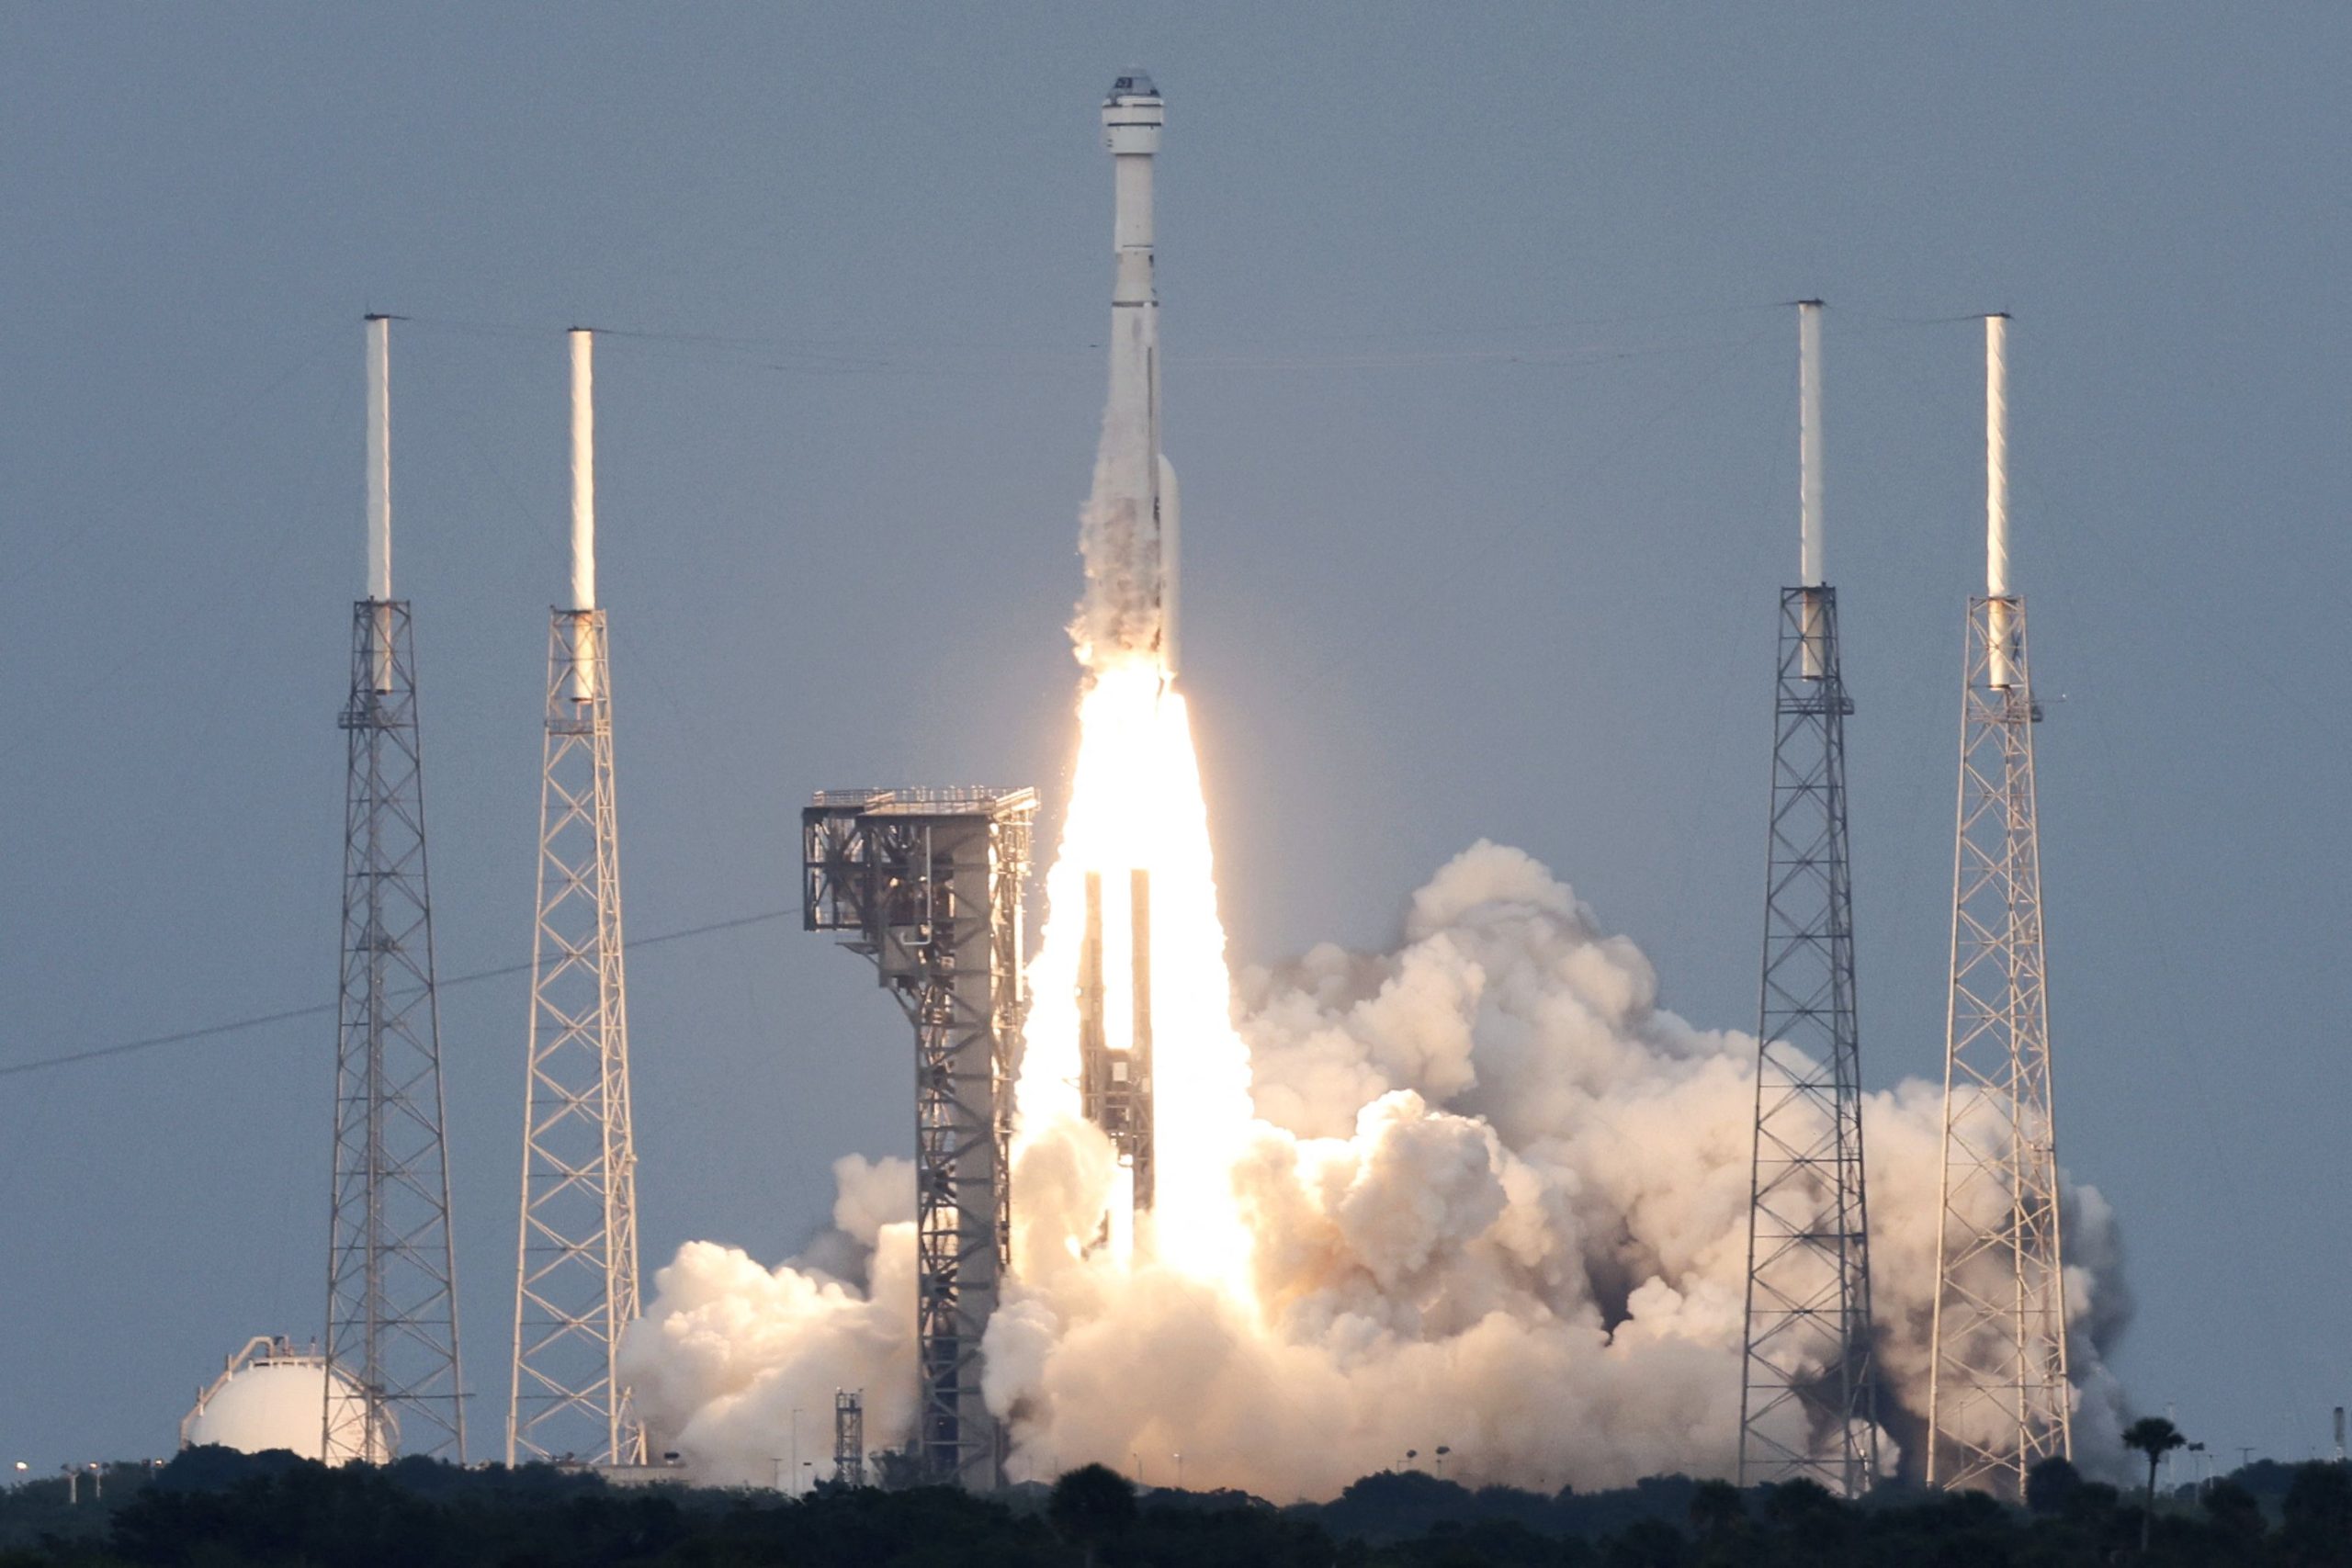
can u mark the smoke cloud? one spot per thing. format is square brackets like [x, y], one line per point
[1495, 1199]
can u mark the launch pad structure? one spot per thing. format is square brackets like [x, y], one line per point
[391, 1317]
[1999, 1402]
[1808, 1388]
[576, 1263]
[928, 884]
[849, 1437]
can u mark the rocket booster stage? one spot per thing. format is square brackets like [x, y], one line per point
[1133, 554]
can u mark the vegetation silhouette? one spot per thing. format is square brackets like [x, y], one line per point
[212, 1508]
[2155, 1436]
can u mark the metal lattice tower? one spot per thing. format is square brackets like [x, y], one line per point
[392, 1273]
[576, 1279]
[1999, 1402]
[1808, 1400]
[849, 1437]
[1808, 1389]
[929, 885]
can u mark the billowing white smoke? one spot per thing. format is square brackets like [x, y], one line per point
[1498, 1199]
[730, 1351]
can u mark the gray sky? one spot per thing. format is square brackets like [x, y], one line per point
[1485, 407]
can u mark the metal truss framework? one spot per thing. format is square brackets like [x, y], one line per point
[391, 1274]
[576, 1280]
[849, 1437]
[1998, 1401]
[1808, 1391]
[929, 885]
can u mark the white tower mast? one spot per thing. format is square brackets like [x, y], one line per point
[1808, 1388]
[1999, 1398]
[392, 1328]
[576, 1285]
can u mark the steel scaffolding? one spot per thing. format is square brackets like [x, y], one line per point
[1999, 1398]
[1808, 1393]
[392, 1275]
[929, 885]
[849, 1437]
[576, 1285]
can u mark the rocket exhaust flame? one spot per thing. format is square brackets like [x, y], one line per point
[1115, 1075]
[1140, 1055]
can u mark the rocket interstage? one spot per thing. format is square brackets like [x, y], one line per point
[1131, 539]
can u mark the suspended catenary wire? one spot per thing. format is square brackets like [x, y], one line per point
[261, 1020]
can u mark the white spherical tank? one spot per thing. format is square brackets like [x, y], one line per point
[273, 1396]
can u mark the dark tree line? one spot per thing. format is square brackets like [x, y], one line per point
[210, 1508]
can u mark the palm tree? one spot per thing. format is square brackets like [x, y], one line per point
[1092, 1506]
[2155, 1436]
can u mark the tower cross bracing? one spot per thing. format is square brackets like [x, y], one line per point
[1999, 1400]
[392, 1319]
[576, 1276]
[1808, 1390]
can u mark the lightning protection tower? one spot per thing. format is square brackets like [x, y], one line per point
[928, 884]
[575, 1277]
[392, 1275]
[1999, 1398]
[1808, 1390]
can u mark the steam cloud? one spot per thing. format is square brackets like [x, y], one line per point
[1498, 1199]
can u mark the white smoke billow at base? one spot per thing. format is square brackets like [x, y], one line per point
[1495, 1199]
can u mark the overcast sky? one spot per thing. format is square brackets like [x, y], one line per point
[1481, 382]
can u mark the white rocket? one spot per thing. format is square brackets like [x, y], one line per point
[1136, 489]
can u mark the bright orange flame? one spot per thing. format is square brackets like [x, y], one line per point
[1135, 803]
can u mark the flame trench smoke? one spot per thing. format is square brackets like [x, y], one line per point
[1480, 1191]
